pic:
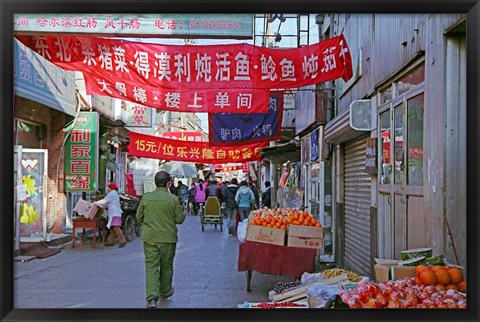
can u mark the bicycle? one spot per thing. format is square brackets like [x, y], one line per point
[186, 207]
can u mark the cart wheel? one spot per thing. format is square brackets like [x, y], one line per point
[138, 229]
[215, 226]
[221, 226]
[129, 229]
[202, 222]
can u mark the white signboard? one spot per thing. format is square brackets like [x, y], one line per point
[233, 26]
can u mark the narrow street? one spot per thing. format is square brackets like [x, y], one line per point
[205, 275]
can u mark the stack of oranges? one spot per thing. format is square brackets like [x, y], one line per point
[282, 217]
[442, 277]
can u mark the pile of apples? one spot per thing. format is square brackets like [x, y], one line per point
[282, 217]
[401, 294]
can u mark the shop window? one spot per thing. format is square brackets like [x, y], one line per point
[386, 160]
[28, 135]
[411, 79]
[415, 140]
[398, 144]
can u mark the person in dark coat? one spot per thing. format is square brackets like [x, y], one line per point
[267, 197]
[231, 207]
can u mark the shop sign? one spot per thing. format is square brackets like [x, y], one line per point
[305, 149]
[145, 65]
[228, 129]
[136, 115]
[81, 154]
[314, 151]
[148, 146]
[232, 26]
[191, 136]
[371, 156]
[39, 80]
[227, 100]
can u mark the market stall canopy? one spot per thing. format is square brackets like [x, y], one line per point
[180, 169]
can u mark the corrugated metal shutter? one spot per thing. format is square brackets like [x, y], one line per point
[357, 208]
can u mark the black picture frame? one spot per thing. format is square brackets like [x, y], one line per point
[9, 8]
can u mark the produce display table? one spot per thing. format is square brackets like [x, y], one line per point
[87, 223]
[274, 259]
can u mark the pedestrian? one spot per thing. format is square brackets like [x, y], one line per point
[159, 213]
[182, 191]
[231, 206]
[199, 194]
[111, 202]
[173, 190]
[253, 187]
[267, 196]
[244, 198]
[191, 198]
[213, 190]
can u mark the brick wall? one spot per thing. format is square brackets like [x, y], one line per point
[53, 136]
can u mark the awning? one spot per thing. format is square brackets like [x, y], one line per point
[282, 153]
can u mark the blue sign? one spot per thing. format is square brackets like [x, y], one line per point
[38, 80]
[229, 129]
[314, 146]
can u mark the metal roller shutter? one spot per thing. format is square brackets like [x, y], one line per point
[357, 208]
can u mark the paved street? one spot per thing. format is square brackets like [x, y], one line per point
[205, 275]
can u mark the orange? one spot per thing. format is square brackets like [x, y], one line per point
[436, 268]
[421, 268]
[456, 275]
[440, 287]
[442, 277]
[295, 222]
[428, 278]
[451, 287]
[417, 281]
[446, 267]
[462, 286]
[317, 224]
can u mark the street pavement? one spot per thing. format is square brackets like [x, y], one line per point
[205, 275]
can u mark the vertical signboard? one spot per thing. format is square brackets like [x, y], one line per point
[82, 154]
[371, 156]
[314, 151]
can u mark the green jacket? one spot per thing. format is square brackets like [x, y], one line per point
[160, 212]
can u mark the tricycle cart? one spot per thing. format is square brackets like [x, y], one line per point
[212, 213]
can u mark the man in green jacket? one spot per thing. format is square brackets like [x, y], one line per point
[159, 213]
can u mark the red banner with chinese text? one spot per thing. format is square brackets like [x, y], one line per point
[196, 67]
[148, 146]
[226, 100]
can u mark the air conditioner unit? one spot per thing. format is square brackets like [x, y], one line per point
[363, 116]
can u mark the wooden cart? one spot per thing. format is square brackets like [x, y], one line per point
[212, 213]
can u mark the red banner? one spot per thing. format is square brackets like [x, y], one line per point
[196, 67]
[227, 168]
[227, 100]
[147, 146]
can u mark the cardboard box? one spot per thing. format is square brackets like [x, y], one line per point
[305, 242]
[385, 273]
[305, 231]
[267, 235]
[85, 209]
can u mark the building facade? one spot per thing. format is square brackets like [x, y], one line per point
[398, 138]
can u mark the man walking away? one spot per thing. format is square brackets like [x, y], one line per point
[159, 213]
[231, 206]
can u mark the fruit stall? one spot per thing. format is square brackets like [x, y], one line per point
[419, 280]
